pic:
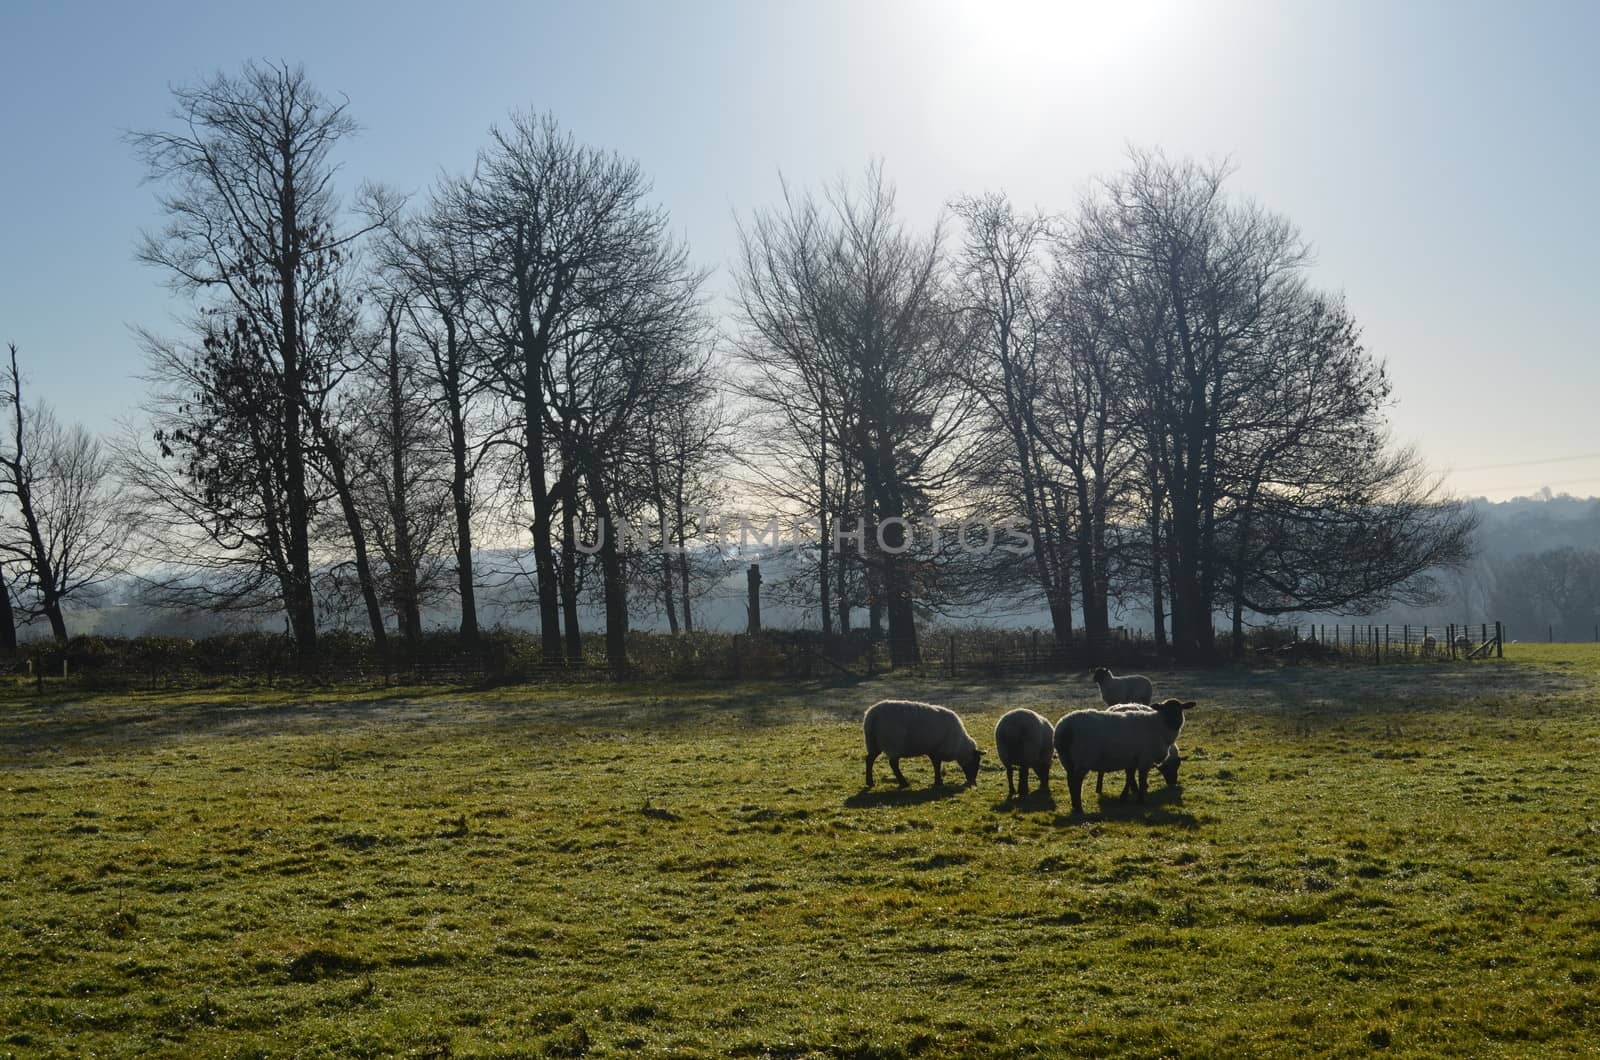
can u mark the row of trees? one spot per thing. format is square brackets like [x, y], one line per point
[1151, 384]
[368, 398]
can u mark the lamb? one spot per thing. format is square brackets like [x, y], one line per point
[1024, 740]
[1132, 740]
[1168, 765]
[902, 728]
[1114, 689]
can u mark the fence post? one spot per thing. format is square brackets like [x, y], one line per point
[1450, 638]
[1499, 640]
[1549, 636]
[952, 655]
[753, 578]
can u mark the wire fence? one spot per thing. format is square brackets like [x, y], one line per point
[1453, 641]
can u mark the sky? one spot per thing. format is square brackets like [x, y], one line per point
[1440, 158]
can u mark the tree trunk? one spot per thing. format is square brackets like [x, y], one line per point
[8, 619]
[301, 605]
[358, 535]
[408, 608]
[543, 551]
[666, 582]
[1157, 606]
[459, 485]
[569, 568]
[680, 520]
[615, 582]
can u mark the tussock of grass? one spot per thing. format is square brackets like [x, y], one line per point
[1361, 859]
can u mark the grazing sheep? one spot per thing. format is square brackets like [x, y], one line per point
[901, 728]
[1114, 689]
[1168, 765]
[1024, 740]
[1109, 740]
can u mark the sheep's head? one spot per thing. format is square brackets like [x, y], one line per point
[1169, 769]
[969, 765]
[1171, 711]
[1100, 675]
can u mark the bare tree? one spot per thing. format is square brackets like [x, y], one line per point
[401, 455]
[1003, 294]
[252, 231]
[428, 260]
[582, 295]
[1260, 416]
[63, 528]
[853, 307]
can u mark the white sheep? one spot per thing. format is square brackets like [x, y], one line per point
[1114, 740]
[1114, 690]
[1168, 766]
[1024, 740]
[902, 728]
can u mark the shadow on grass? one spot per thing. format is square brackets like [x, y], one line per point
[60, 722]
[902, 796]
[1160, 807]
[1038, 800]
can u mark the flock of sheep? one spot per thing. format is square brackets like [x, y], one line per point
[1129, 736]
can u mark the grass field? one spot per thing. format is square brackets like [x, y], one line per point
[1402, 859]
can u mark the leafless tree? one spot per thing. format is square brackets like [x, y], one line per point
[1260, 415]
[843, 300]
[580, 298]
[1004, 294]
[63, 511]
[252, 232]
[428, 261]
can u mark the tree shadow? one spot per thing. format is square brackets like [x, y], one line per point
[896, 796]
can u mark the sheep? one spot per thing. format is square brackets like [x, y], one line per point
[1132, 740]
[1430, 644]
[1114, 689]
[902, 728]
[1024, 740]
[1168, 765]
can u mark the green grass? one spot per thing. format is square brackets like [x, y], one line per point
[1403, 858]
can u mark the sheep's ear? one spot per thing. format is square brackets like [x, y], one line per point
[1188, 706]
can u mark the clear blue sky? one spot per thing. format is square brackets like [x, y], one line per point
[1442, 158]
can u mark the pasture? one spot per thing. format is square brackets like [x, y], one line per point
[1401, 859]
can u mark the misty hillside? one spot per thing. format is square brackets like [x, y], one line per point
[1506, 531]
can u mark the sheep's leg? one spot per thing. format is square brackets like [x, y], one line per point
[894, 765]
[1128, 785]
[1100, 783]
[1144, 781]
[1075, 782]
[1044, 775]
[1011, 788]
[938, 771]
[1023, 772]
[871, 757]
